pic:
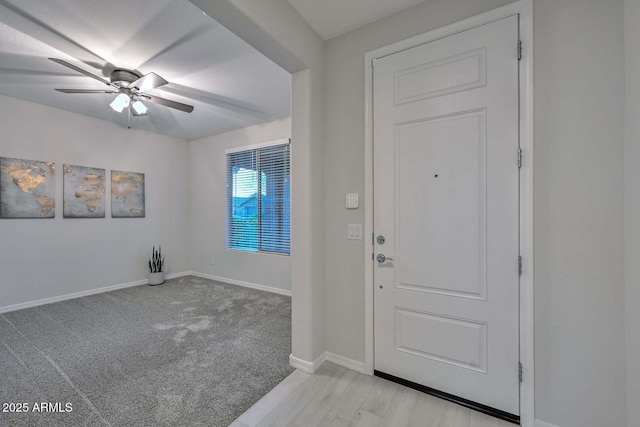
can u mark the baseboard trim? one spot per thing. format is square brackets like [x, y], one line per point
[173, 276]
[51, 300]
[305, 366]
[241, 283]
[311, 367]
[544, 424]
[65, 297]
[354, 365]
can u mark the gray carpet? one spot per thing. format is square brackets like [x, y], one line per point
[191, 352]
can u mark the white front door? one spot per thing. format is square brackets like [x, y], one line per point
[446, 199]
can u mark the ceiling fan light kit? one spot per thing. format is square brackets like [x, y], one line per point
[120, 102]
[139, 108]
[129, 86]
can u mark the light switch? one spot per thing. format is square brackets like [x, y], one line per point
[352, 201]
[354, 232]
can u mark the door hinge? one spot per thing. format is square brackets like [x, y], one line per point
[519, 50]
[373, 257]
[520, 371]
[519, 158]
[519, 265]
[373, 238]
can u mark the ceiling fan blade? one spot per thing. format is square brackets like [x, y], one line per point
[148, 82]
[85, 91]
[80, 70]
[168, 103]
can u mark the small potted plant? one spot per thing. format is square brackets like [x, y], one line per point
[156, 263]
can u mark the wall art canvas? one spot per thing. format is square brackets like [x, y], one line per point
[127, 194]
[84, 192]
[27, 188]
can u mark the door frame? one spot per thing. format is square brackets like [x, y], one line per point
[523, 8]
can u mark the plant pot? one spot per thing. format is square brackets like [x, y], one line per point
[156, 278]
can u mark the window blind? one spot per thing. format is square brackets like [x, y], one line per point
[258, 199]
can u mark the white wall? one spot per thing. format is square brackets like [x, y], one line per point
[208, 211]
[579, 182]
[632, 207]
[579, 295]
[42, 258]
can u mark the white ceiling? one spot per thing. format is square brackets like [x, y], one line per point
[230, 84]
[331, 18]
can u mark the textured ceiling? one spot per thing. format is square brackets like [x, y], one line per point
[230, 84]
[331, 18]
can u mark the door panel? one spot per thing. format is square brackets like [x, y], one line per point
[458, 342]
[446, 199]
[441, 77]
[440, 187]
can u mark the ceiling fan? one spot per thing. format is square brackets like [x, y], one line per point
[130, 88]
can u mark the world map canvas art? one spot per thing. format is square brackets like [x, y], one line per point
[84, 192]
[27, 188]
[127, 194]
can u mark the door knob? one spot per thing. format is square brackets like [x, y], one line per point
[381, 258]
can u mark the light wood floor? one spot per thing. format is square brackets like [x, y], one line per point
[338, 397]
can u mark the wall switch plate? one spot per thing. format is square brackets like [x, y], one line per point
[354, 232]
[352, 201]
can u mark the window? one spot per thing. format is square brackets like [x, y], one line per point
[258, 199]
